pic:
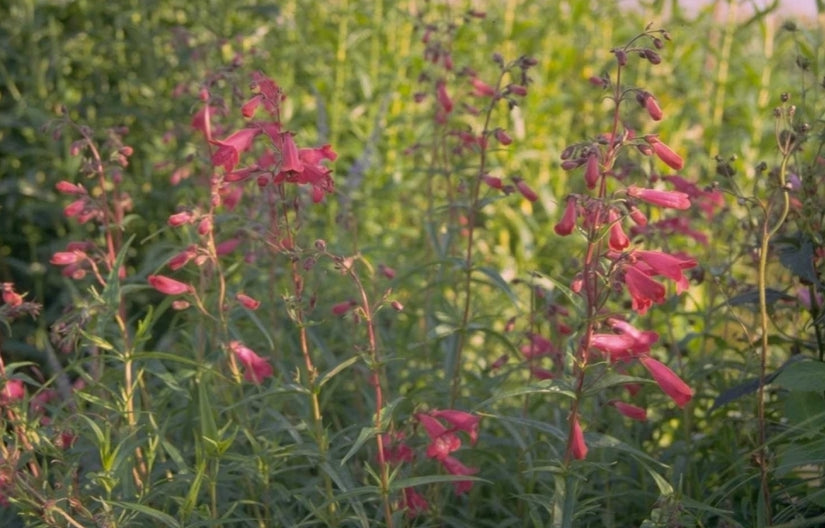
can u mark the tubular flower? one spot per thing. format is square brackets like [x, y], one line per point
[665, 153]
[618, 239]
[578, 448]
[591, 171]
[462, 421]
[669, 266]
[568, 219]
[671, 199]
[643, 290]
[443, 97]
[414, 502]
[454, 467]
[631, 411]
[256, 368]
[168, 286]
[525, 190]
[668, 381]
[229, 149]
[651, 105]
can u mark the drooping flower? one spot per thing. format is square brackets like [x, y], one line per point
[13, 390]
[250, 303]
[591, 171]
[168, 285]
[460, 420]
[631, 411]
[454, 467]
[670, 266]
[578, 448]
[671, 199]
[10, 297]
[617, 240]
[228, 152]
[568, 219]
[396, 450]
[651, 105]
[643, 290]
[481, 88]
[668, 381]
[256, 368]
[665, 153]
[443, 97]
[414, 502]
[525, 189]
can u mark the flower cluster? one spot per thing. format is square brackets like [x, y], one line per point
[444, 441]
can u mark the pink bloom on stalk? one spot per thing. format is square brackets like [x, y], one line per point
[290, 160]
[249, 107]
[441, 446]
[443, 97]
[314, 156]
[343, 307]
[503, 137]
[618, 239]
[652, 105]
[578, 448]
[631, 411]
[493, 181]
[454, 467]
[10, 297]
[202, 120]
[665, 153]
[168, 286]
[248, 302]
[66, 187]
[414, 503]
[643, 290]
[227, 246]
[228, 153]
[64, 258]
[13, 390]
[591, 171]
[395, 450]
[568, 219]
[74, 208]
[671, 199]
[256, 368]
[638, 216]
[481, 88]
[462, 421]
[525, 190]
[182, 258]
[666, 265]
[539, 346]
[668, 381]
[623, 346]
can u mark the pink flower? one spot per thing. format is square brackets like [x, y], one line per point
[631, 411]
[525, 190]
[74, 208]
[454, 467]
[227, 246]
[182, 258]
[578, 448]
[481, 88]
[66, 187]
[343, 307]
[64, 258]
[290, 159]
[617, 240]
[652, 105]
[10, 297]
[643, 290]
[168, 286]
[414, 503]
[395, 450]
[665, 153]
[443, 97]
[568, 219]
[179, 219]
[460, 420]
[671, 199]
[256, 368]
[441, 446]
[12, 391]
[670, 383]
[502, 137]
[592, 171]
[618, 347]
[248, 302]
[202, 121]
[669, 266]
[229, 149]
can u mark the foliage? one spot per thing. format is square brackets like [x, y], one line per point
[371, 263]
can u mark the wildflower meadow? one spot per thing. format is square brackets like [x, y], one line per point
[396, 263]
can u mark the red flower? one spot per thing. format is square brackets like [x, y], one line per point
[669, 266]
[64, 258]
[578, 448]
[168, 286]
[414, 502]
[460, 420]
[229, 149]
[652, 105]
[618, 239]
[454, 467]
[631, 411]
[665, 153]
[290, 160]
[568, 219]
[670, 383]
[481, 88]
[672, 199]
[12, 391]
[643, 290]
[443, 97]
[179, 219]
[525, 190]
[66, 187]
[256, 368]
[591, 171]
[248, 302]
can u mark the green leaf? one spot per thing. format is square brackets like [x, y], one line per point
[797, 254]
[499, 282]
[803, 376]
[400, 484]
[157, 515]
[542, 387]
[335, 370]
[365, 434]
